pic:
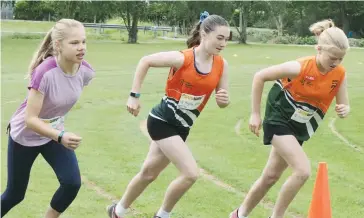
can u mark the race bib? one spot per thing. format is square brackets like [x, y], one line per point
[56, 122]
[190, 102]
[302, 116]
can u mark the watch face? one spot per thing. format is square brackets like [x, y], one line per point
[136, 95]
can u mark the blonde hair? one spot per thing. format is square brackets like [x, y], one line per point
[47, 46]
[329, 36]
[320, 26]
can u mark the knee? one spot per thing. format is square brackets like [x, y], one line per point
[73, 185]
[191, 176]
[149, 175]
[14, 197]
[302, 174]
[269, 179]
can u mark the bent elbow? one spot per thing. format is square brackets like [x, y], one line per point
[145, 61]
[29, 121]
[260, 78]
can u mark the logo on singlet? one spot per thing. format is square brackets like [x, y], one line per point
[334, 83]
[185, 83]
[310, 78]
[307, 81]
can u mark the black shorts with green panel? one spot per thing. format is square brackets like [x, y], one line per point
[285, 116]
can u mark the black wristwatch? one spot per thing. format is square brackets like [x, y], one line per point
[134, 94]
[59, 140]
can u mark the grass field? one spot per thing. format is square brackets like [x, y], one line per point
[37, 30]
[114, 147]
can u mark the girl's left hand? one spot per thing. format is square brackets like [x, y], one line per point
[342, 110]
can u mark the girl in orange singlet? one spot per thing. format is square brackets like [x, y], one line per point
[194, 74]
[296, 104]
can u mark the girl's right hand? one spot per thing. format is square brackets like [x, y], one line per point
[133, 105]
[71, 140]
[255, 123]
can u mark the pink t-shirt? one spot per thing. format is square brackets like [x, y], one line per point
[61, 91]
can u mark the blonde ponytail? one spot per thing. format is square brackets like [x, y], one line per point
[318, 27]
[45, 50]
[329, 36]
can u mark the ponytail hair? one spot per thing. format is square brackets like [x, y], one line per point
[207, 23]
[329, 36]
[318, 27]
[45, 50]
[195, 38]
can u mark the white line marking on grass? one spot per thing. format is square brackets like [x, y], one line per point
[238, 127]
[102, 193]
[341, 137]
[206, 175]
[10, 102]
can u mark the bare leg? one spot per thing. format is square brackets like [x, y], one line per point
[155, 162]
[272, 172]
[180, 155]
[51, 213]
[291, 151]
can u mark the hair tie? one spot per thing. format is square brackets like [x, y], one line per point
[203, 16]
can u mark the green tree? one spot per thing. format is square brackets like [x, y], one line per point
[32, 10]
[131, 12]
[279, 12]
[243, 10]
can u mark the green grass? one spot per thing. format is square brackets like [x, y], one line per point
[25, 26]
[36, 30]
[114, 148]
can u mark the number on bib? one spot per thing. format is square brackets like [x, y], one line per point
[302, 116]
[56, 122]
[190, 102]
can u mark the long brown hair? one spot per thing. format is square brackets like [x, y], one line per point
[208, 23]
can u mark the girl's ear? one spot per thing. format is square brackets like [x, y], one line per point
[57, 46]
[203, 34]
[318, 48]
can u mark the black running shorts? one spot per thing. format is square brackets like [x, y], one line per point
[159, 129]
[279, 130]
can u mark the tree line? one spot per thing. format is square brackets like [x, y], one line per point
[286, 17]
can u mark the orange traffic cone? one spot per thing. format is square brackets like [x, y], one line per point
[320, 205]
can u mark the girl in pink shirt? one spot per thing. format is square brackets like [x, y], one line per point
[57, 74]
